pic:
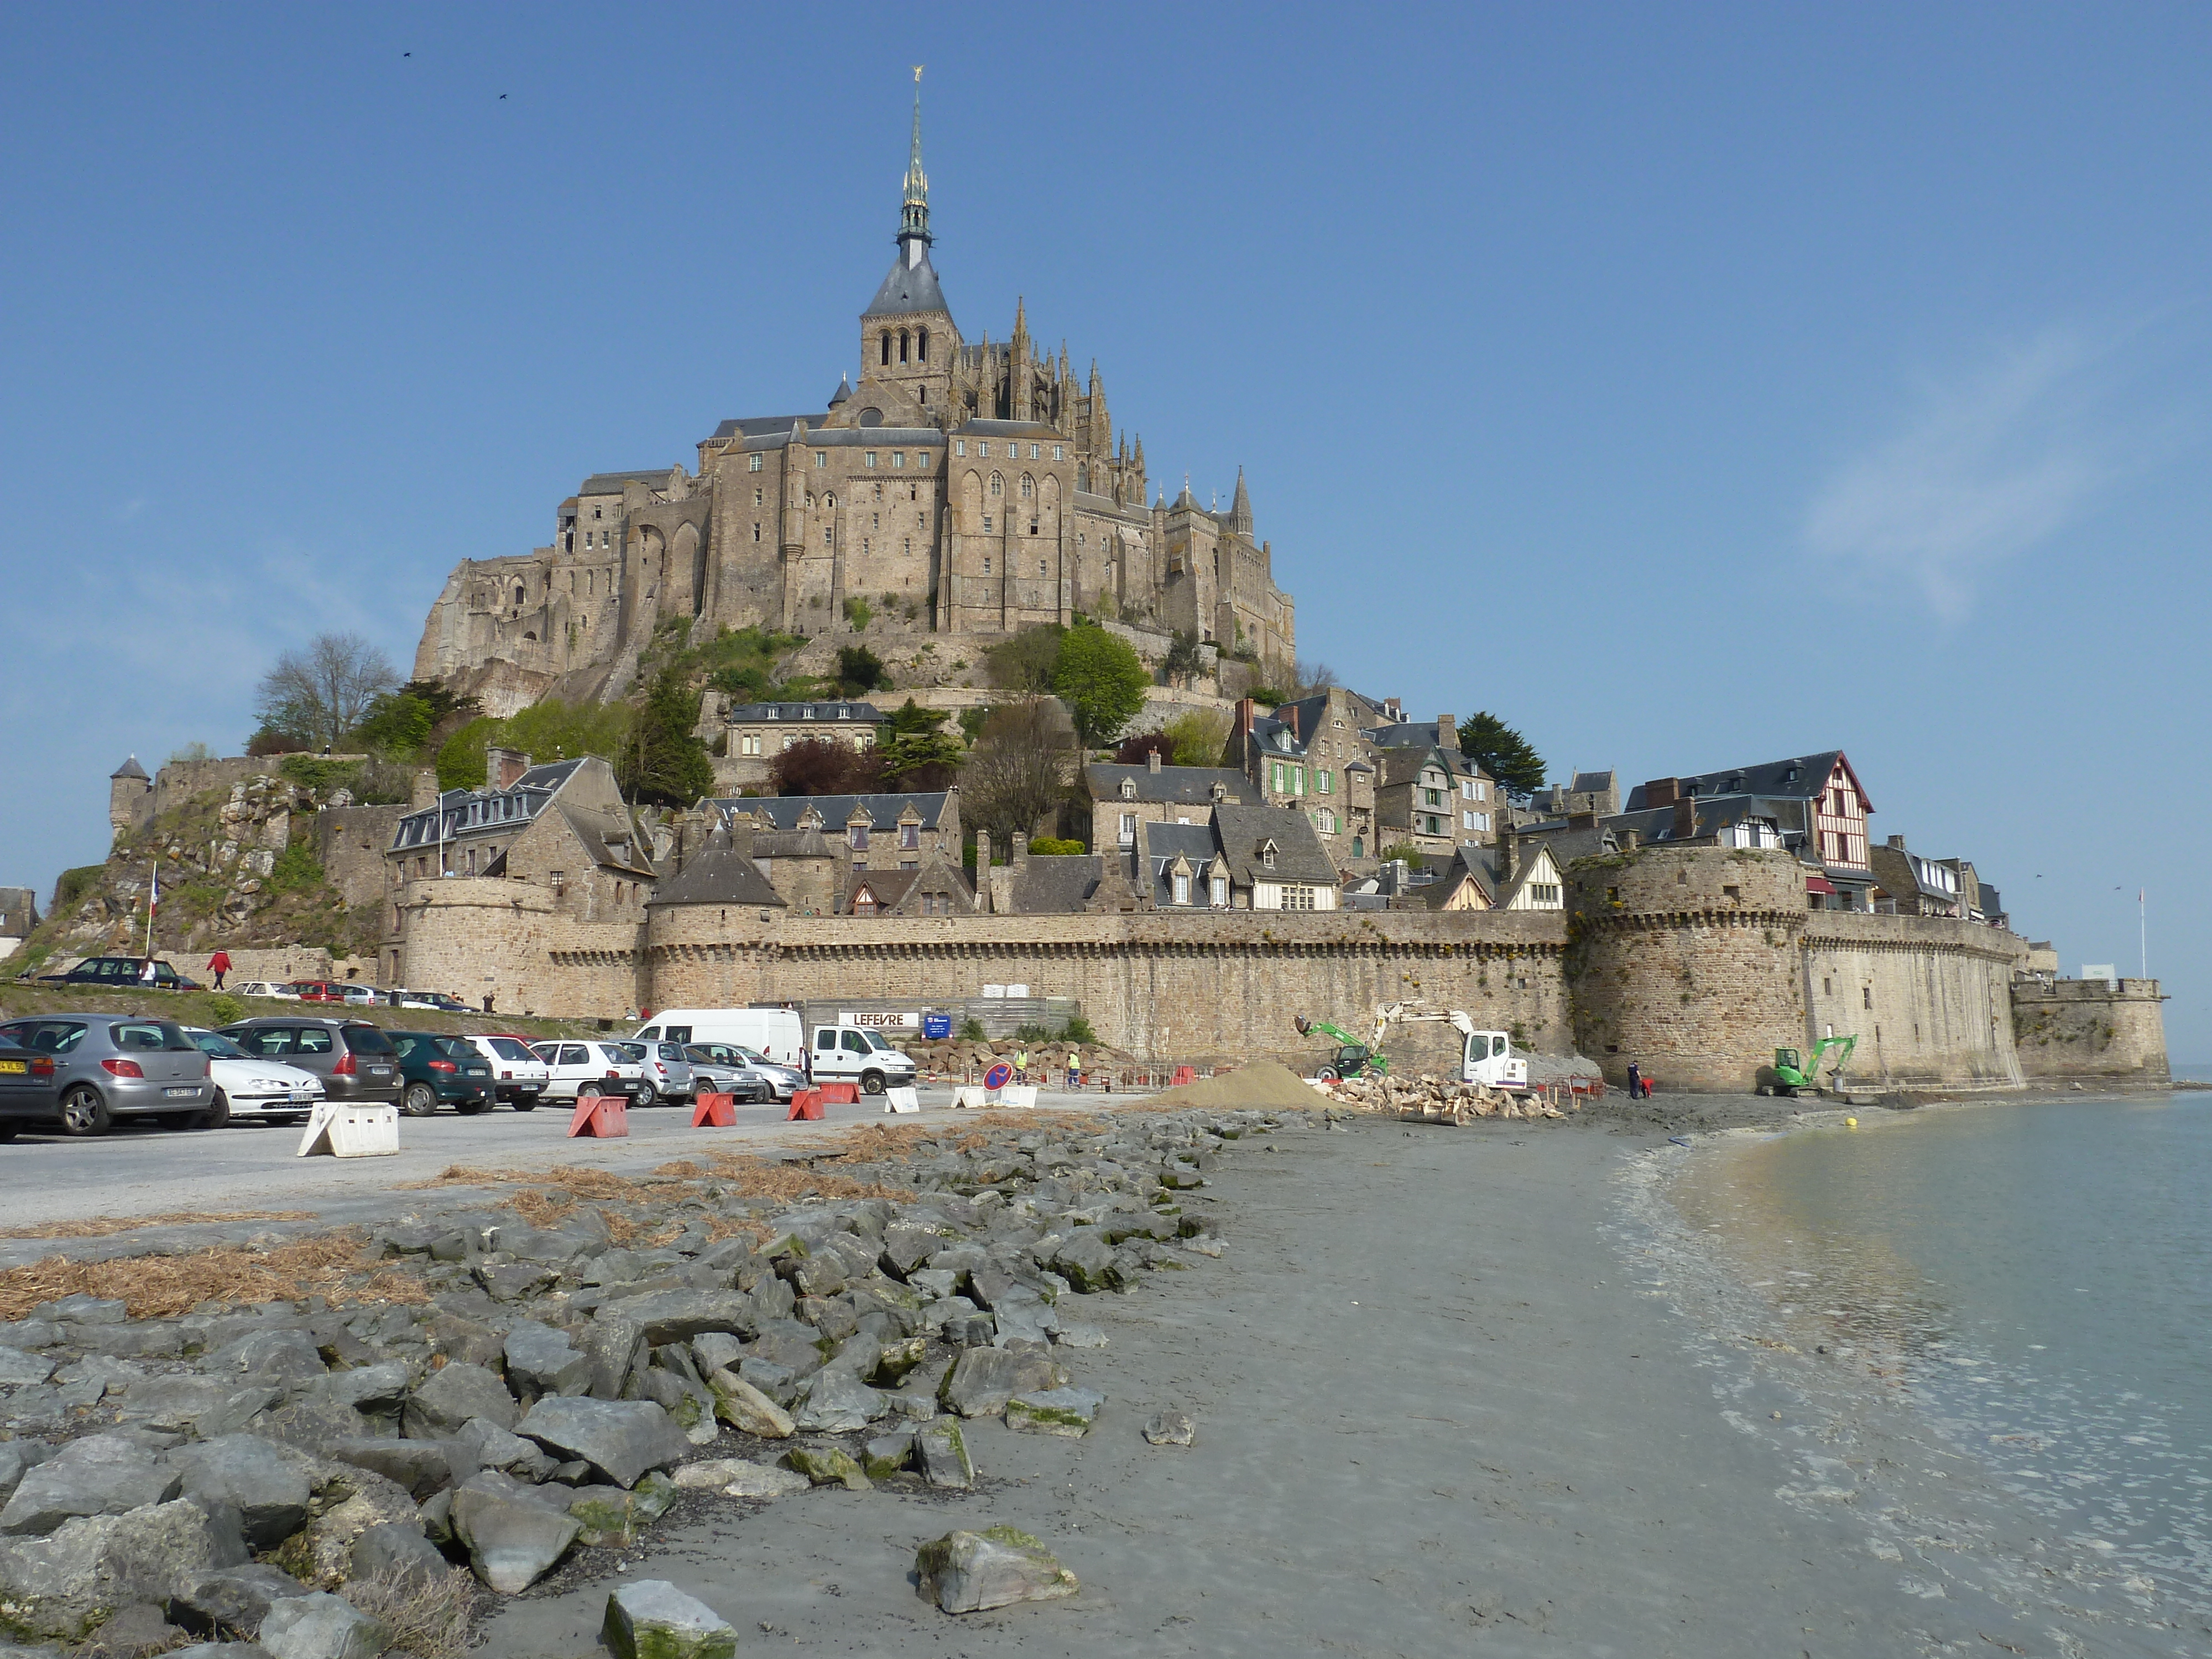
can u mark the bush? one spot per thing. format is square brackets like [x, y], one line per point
[971, 1029]
[295, 870]
[1055, 845]
[1077, 1030]
[1415, 857]
[859, 671]
[1030, 1031]
[1026, 662]
[73, 884]
[857, 613]
[224, 1009]
[1199, 736]
[1267, 696]
[823, 766]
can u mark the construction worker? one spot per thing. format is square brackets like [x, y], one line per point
[1021, 1066]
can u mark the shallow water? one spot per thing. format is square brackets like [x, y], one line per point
[2033, 1282]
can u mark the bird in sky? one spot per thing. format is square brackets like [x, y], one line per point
[406, 54]
[503, 95]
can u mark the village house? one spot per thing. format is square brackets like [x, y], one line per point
[1124, 797]
[1434, 799]
[937, 887]
[747, 737]
[1913, 885]
[1814, 802]
[1312, 755]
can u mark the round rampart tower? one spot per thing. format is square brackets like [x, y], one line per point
[708, 955]
[1685, 960]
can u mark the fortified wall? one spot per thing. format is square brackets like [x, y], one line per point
[2089, 1030]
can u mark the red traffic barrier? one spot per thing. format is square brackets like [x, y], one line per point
[1183, 1074]
[601, 1117]
[714, 1112]
[839, 1094]
[805, 1106]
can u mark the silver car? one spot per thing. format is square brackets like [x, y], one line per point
[666, 1067]
[783, 1081]
[117, 1065]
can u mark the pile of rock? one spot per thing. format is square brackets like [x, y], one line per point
[1435, 1100]
[244, 1472]
[960, 1058]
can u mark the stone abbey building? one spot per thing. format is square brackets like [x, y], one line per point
[960, 487]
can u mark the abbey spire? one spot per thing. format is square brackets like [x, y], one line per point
[914, 213]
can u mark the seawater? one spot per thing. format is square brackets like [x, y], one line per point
[2033, 1282]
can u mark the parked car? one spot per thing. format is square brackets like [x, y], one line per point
[666, 1067]
[441, 1070]
[433, 1000]
[254, 1087]
[782, 1081]
[354, 1059]
[357, 995]
[109, 1067]
[518, 1076]
[262, 987]
[585, 1069]
[731, 1077]
[850, 1054]
[775, 1032]
[30, 1088]
[316, 990]
[124, 974]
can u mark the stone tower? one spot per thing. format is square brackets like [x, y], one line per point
[130, 798]
[907, 339]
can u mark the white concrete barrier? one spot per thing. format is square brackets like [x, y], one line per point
[337, 1130]
[968, 1098]
[902, 1100]
[1022, 1097]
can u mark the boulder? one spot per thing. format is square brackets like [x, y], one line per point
[550, 1247]
[714, 1351]
[133, 1632]
[446, 1399]
[513, 1537]
[1024, 1319]
[359, 1500]
[319, 1625]
[494, 1447]
[747, 1409]
[377, 1390]
[64, 1583]
[611, 1342]
[651, 1618]
[1068, 1411]
[736, 1477]
[20, 1369]
[976, 1571]
[1085, 1260]
[100, 1474]
[941, 1448]
[887, 1454]
[679, 1315]
[313, 1422]
[421, 1467]
[610, 1515]
[84, 1309]
[541, 1360]
[267, 1486]
[827, 1465]
[838, 1402]
[278, 1358]
[464, 1341]
[621, 1438]
[232, 1599]
[220, 1650]
[984, 1379]
[511, 1281]
[397, 1550]
[1169, 1429]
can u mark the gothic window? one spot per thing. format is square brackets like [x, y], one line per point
[518, 594]
[998, 485]
[887, 347]
[828, 503]
[922, 344]
[902, 343]
[1028, 484]
[1083, 477]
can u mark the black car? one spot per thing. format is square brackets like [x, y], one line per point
[441, 1070]
[353, 1058]
[124, 974]
[30, 1088]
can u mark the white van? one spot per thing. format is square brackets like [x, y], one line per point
[775, 1032]
[847, 1054]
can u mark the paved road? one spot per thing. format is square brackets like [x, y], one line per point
[147, 1171]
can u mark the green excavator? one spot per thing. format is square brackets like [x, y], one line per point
[1789, 1074]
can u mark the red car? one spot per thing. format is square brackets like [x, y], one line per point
[317, 990]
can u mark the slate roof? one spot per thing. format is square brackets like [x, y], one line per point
[1568, 845]
[1591, 783]
[1010, 429]
[1274, 737]
[718, 875]
[889, 886]
[906, 289]
[1774, 779]
[791, 844]
[757, 426]
[1163, 843]
[835, 713]
[784, 811]
[1054, 884]
[637, 862]
[1414, 734]
[612, 483]
[1715, 813]
[1299, 855]
[1179, 786]
[130, 768]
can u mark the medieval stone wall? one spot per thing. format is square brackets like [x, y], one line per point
[2086, 1030]
[349, 845]
[1929, 997]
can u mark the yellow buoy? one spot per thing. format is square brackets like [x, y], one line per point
[1850, 1123]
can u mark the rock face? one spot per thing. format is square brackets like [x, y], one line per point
[653, 1619]
[101, 1475]
[976, 1571]
[513, 1537]
[320, 1626]
[449, 1398]
[268, 1488]
[621, 1438]
[64, 1584]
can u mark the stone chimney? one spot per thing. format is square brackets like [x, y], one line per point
[1582, 820]
[1630, 840]
[1289, 713]
[1509, 854]
[422, 791]
[983, 869]
[1897, 842]
[1152, 761]
[1021, 860]
[1662, 792]
[1447, 733]
[503, 768]
[1686, 817]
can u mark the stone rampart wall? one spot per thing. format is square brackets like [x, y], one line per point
[1929, 999]
[349, 845]
[2085, 1030]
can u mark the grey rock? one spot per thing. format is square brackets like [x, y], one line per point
[205, 1404]
[436, 1517]
[976, 1571]
[319, 1626]
[513, 1537]
[512, 1281]
[232, 1599]
[421, 1467]
[19, 1370]
[779, 1383]
[747, 1409]
[813, 1275]
[679, 1315]
[610, 1515]
[84, 1309]
[358, 1499]
[984, 1379]
[131, 1632]
[278, 1358]
[690, 1405]
[1024, 1319]
[397, 1550]
[827, 1466]
[377, 1389]
[101, 1475]
[1169, 1428]
[465, 1342]
[494, 1447]
[1073, 1335]
[838, 1402]
[541, 1360]
[611, 1342]
[553, 1247]
[799, 1355]
[937, 1282]
[622, 1438]
[907, 1245]
[1069, 1412]
[268, 1488]
[716, 1351]
[1086, 1259]
[888, 1454]
[651, 1618]
[220, 1650]
[738, 1477]
[446, 1399]
[941, 1448]
[313, 1423]
[64, 1584]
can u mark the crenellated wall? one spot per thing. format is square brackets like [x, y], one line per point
[2088, 1030]
[1929, 999]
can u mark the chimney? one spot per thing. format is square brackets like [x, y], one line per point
[1290, 714]
[1447, 733]
[1021, 850]
[1897, 841]
[1631, 840]
[1582, 820]
[1152, 761]
[503, 768]
[424, 792]
[1247, 712]
[983, 869]
[1662, 792]
[1509, 856]
[1685, 818]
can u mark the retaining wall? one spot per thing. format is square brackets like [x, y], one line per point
[2087, 1030]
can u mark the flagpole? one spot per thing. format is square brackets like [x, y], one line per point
[2142, 932]
[153, 900]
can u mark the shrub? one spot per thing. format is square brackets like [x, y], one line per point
[224, 1009]
[1026, 662]
[1415, 859]
[295, 870]
[74, 884]
[857, 612]
[859, 671]
[1030, 1031]
[1199, 736]
[971, 1029]
[1077, 1030]
[1055, 845]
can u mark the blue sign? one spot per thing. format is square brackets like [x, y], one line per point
[937, 1027]
[998, 1077]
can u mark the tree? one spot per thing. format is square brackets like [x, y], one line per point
[548, 731]
[320, 693]
[917, 751]
[1026, 662]
[824, 766]
[1310, 679]
[1101, 680]
[1018, 769]
[663, 764]
[1503, 753]
[1201, 737]
[1136, 751]
[1182, 658]
[859, 671]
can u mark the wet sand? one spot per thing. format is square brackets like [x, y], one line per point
[1439, 1409]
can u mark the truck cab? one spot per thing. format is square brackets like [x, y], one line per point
[846, 1053]
[1488, 1058]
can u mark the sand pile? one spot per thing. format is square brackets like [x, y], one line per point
[1264, 1083]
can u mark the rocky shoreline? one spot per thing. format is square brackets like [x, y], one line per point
[358, 1443]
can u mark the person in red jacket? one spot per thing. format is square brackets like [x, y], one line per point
[219, 964]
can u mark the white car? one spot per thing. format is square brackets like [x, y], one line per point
[362, 996]
[578, 1068]
[245, 1086]
[522, 1077]
[262, 987]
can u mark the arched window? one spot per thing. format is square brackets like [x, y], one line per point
[1083, 477]
[1029, 486]
[518, 594]
[998, 485]
[887, 347]
[903, 344]
[922, 344]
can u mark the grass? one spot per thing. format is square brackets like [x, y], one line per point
[106, 1226]
[332, 1267]
[427, 1615]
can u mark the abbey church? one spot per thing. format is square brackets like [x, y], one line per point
[955, 487]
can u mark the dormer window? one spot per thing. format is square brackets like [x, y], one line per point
[1128, 789]
[1267, 855]
[1220, 791]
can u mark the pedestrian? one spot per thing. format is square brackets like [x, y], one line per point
[1021, 1066]
[146, 976]
[219, 964]
[487, 1002]
[1075, 1075]
[1636, 1089]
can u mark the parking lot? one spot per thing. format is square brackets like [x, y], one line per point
[134, 1170]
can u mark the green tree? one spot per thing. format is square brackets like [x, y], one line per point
[1026, 662]
[548, 731]
[859, 671]
[1199, 736]
[917, 752]
[663, 763]
[1503, 753]
[398, 723]
[1101, 680]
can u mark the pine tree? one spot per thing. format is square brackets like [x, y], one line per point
[663, 764]
[1503, 753]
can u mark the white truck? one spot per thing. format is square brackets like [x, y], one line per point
[777, 1033]
[853, 1053]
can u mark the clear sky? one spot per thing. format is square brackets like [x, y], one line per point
[1690, 386]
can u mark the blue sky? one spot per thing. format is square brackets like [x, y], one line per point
[1689, 386]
